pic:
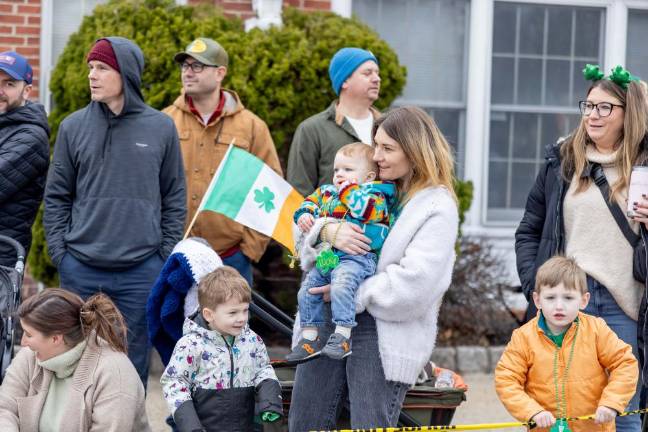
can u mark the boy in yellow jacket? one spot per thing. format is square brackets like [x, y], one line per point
[564, 363]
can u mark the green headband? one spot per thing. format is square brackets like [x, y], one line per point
[619, 75]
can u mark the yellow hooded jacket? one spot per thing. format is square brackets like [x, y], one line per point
[603, 372]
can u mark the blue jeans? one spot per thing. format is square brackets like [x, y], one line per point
[603, 305]
[128, 289]
[242, 264]
[345, 280]
[322, 385]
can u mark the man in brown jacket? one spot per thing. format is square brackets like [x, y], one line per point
[208, 118]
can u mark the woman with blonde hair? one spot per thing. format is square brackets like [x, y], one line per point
[397, 308]
[72, 373]
[571, 208]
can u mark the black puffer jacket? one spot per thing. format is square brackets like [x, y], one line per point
[540, 234]
[24, 158]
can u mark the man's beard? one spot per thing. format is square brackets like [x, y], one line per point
[12, 105]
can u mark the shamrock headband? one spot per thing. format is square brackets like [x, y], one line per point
[619, 75]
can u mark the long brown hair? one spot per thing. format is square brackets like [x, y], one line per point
[425, 147]
[635, 127]
[57, 311]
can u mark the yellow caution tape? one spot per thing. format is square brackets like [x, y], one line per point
[481, 426]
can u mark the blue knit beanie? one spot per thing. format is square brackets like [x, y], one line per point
[345, 62]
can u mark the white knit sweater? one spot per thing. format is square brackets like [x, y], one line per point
[414, 271]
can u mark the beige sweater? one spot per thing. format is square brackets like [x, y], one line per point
[106, 394]
[63, 367]
[593, 237]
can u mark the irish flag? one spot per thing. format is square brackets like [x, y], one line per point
[250, 192]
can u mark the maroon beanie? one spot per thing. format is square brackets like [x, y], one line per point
[103, 51]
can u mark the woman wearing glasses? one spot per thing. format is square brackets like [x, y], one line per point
[566, 212]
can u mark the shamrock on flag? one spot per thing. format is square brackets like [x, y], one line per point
[251, 193]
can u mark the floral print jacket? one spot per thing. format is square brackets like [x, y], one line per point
[206, 374]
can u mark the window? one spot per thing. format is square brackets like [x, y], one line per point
[637, 49]
[539, 52]
[67, 16]
[64, 18]
[434, 49]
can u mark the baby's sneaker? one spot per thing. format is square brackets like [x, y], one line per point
[337, 347]
[305, 350]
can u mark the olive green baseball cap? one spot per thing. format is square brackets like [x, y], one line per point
[206, 51]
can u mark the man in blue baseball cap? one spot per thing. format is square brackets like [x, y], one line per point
[24, 153]
[355, 78]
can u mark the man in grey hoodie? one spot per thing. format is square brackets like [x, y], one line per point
[115, 194]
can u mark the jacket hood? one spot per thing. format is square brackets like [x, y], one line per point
[30, 113]
[198, 325]
[131, 65]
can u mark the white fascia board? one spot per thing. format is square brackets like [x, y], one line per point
[342, 7]
[44, 95]
[477, 106]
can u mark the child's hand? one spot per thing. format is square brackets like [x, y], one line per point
[604, 415]
[544, 419]
[305, 222]
[270, 416]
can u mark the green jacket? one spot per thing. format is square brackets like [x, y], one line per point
[312, 152]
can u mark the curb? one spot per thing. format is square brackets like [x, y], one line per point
[468, 359]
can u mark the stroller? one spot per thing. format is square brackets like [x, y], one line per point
[10, 285]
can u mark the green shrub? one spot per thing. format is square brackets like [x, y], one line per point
[280, 74]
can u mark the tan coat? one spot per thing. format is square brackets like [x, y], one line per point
[524, 377]
[106, 394]
[203, 148]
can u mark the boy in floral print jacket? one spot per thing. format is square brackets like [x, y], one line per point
[220, 366]
[356, 197]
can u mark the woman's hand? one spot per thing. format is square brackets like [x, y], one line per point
[347, 237]
[641, 210]
[324, 290]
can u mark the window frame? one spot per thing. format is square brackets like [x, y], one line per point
[502, 216]
[637, 5]
[428, 104]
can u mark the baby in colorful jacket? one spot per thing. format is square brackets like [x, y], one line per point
[220, 366]
[354, 197]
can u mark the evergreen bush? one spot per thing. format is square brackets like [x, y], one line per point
[280, 74]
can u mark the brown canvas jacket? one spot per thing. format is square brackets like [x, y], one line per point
[203, 148]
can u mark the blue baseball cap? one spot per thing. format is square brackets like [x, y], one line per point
[16, 66]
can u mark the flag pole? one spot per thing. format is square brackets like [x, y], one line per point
[209, 188]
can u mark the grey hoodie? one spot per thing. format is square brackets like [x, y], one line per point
[115, 193]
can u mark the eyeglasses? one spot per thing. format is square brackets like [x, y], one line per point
[195, 66]
[604, 109]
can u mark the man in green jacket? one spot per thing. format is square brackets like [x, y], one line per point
[355, 78]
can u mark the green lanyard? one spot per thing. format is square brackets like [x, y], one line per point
[561, 408]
